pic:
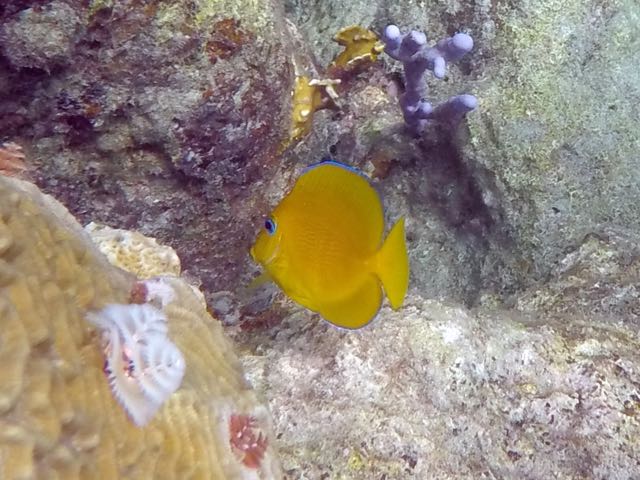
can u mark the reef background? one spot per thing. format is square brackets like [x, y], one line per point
[518, 353]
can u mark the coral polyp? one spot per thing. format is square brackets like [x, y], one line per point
[142, 365]
[246, 439]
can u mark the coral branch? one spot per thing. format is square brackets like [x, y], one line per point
[411, 49]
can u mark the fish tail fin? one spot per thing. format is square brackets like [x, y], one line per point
[392, 265]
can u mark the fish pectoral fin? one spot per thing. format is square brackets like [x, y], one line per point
[260, 280]
[356, 309]
[244, 293]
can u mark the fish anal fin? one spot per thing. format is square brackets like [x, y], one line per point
[356, 309]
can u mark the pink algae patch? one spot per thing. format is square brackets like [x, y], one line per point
[12, 160]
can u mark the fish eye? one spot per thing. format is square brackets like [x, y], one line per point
[270, 226]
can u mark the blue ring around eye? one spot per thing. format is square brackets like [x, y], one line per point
[270, 226]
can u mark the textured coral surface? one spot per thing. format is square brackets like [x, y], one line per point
[58, 417]
[134, 252]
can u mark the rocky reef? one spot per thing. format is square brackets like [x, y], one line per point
[59, 416]
[174, 120]
[186, 121]
[545, 390]
[154, 115]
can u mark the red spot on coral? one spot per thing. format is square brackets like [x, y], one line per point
[247, 441]
[139, 293]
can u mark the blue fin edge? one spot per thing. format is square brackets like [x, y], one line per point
[331, 161]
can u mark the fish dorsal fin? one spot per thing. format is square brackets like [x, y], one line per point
[331, 161]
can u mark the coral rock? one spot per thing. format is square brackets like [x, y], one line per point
[134, 252]
[58, 416]
[41, 37]
[434, 391]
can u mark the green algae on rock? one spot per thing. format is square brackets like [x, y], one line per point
[558, 129]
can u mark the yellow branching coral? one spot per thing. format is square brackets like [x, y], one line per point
[58, 417]
[310, 96]
[360, 46]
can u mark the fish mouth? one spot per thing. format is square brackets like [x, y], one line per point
[273, 256]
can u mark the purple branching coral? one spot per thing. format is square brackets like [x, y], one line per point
[411, 49]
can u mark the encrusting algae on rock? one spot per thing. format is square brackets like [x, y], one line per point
[58, 415]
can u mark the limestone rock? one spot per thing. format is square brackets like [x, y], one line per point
[42, 36]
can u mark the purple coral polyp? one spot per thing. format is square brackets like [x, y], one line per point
[411, 49]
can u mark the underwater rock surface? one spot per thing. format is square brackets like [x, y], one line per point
[546, 389]
[154, 115]
[171, 118]
[437, 391]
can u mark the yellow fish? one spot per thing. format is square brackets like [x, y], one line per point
[322, 245]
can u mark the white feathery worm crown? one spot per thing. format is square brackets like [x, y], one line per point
[143, 366]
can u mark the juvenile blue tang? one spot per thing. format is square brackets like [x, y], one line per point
[323, 246]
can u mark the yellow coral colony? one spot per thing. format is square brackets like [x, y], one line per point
[310, 96]
[360, 46]
[58, 417]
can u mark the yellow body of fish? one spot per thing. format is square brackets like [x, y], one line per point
[323, 246]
